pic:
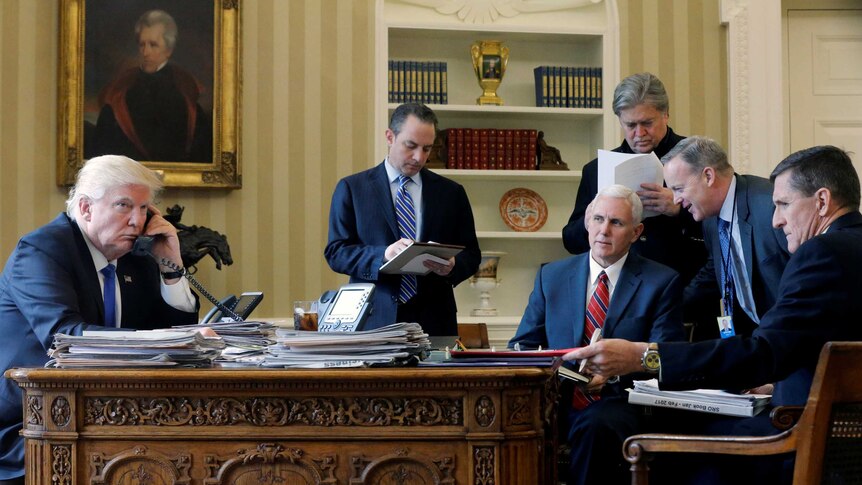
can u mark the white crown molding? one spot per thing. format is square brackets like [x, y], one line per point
[755, 84]
[488, 11]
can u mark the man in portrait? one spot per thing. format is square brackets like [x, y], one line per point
[151, 112]
[492, 68]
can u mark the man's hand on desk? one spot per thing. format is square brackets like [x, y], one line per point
[207, 332]
[393, 249]
[610, 357]
[658, 199]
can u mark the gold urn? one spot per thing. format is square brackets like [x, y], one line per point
[490, 58]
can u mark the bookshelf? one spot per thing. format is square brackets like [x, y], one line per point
[569, 33]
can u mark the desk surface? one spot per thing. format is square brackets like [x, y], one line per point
[351, 426]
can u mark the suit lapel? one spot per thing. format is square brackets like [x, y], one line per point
[88, 268]
[383, 194]
[576, 304]
[745, 230]
[624, 293]
[429, 211]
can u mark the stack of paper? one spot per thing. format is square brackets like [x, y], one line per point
[245, 340]
[398, 344]
[145, 348]
[703, 400]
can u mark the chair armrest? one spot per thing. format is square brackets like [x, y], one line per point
[635, 447]
[785, 417]
[638, 449]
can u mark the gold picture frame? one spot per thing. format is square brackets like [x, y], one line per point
[223, 170]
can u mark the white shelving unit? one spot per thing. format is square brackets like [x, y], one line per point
[566, 33]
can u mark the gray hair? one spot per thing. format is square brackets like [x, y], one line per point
[155, 17]
[617, 191]
[700, 152]
[641, 88]
[102, 174]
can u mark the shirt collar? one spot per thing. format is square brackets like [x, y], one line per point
[726, 212]
[613, 271]
[392, 174]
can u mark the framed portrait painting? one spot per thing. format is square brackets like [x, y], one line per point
[155, 80]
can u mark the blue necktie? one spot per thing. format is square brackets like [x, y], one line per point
[726, 267]
[110, 295]
[406, 216]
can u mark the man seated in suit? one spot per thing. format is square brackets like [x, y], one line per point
[816, 200]
[745, 254]
[76, 273]
[377, 213]
[624, 295]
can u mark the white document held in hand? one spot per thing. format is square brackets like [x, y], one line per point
[415, 265]
[631, 170]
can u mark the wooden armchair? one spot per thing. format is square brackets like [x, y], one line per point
[827, 439]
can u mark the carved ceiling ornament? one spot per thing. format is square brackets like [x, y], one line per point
[271, 411]
[488, 11]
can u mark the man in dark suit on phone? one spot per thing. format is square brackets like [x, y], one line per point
[77, 273]
[377, 213]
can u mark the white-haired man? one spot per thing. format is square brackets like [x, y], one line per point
[77, 272]
[624, 295]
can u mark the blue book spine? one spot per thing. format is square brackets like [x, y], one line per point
[537, 77]
[444, 84]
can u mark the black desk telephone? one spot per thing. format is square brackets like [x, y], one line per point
[236, 309]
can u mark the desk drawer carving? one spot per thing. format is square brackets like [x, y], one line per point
[270, 411]
[466, 426]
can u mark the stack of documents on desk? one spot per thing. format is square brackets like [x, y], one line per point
[144, 348]
[398, 344]
[243, 340]
[703, 400]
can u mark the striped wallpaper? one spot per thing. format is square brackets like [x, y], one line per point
[306, 118]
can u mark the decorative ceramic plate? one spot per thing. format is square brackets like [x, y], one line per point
[523, 210]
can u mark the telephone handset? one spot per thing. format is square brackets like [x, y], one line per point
[242, 306]
[346, 309]
[143, 246]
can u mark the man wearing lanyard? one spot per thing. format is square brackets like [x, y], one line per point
[745, 254]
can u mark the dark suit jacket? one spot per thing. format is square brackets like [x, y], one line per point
[50, 285]
[672, 241]
[362, 224]
[818, 301]
[645, 305]
[764, 248]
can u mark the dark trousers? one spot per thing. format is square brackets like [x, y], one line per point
[13, 481]
[596, 436]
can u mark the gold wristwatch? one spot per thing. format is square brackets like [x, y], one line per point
[650, 361]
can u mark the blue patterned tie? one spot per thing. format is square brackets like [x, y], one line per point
[109, 272]
[406, 215]
[726, 267]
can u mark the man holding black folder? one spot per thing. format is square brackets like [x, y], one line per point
[377, 213]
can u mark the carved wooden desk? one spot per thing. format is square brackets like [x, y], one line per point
[237, 426]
